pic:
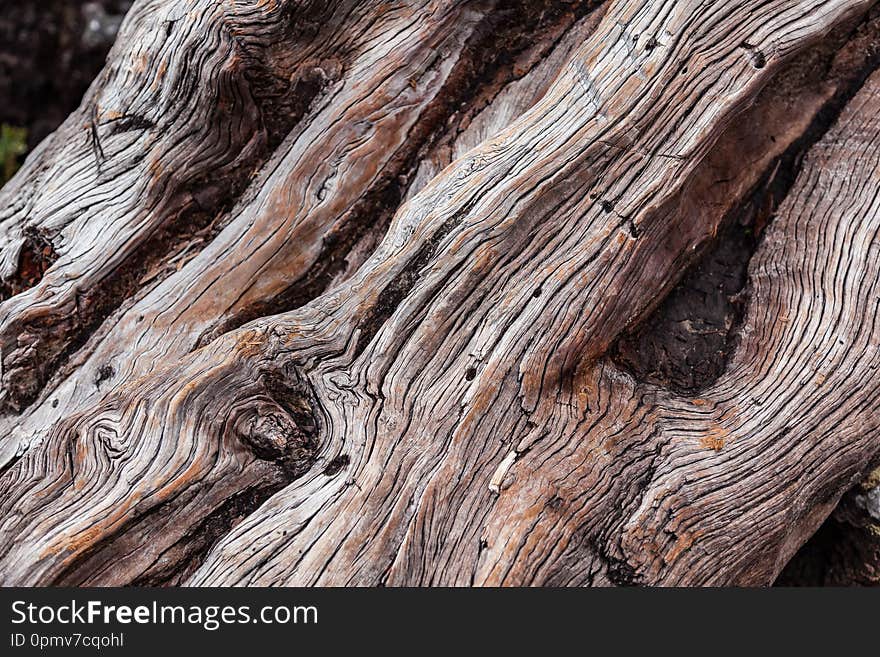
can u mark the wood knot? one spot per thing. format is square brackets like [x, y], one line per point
[273, 435]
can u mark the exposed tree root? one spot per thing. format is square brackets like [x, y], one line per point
[441, 315]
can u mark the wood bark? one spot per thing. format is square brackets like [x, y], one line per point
[846, 549]
[373, 293]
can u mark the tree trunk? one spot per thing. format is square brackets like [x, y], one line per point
[445, 292]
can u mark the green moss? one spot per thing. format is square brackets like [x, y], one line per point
[13, 144]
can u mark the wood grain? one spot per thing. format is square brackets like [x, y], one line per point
[314, 399]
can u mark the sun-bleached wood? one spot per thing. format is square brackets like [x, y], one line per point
[311, 399]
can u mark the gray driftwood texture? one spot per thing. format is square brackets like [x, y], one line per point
[333, 292]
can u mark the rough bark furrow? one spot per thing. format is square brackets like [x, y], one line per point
[195, 97]
[446, 412]
[212, 291]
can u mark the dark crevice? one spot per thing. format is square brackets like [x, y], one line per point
[371, 212]
[398, 288]
[105, 373]
[685, 344]
[687, 341]
[197, 207]
[279, 427]
[10, 464]
[619, 571]
[130, 123]
[337, 465]
[490, 61]
[845, 551]
[182, 559]
[35, 256]
[590, 555]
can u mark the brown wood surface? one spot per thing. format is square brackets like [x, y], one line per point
[331, 292]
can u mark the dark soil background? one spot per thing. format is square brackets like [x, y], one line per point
[50, 51]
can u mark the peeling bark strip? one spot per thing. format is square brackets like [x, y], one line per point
[310, 393]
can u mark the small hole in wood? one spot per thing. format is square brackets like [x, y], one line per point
[336, 465]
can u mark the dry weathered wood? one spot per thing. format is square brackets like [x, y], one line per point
[319, 227]
[195, 99]
[369, 123]
[846, 549]
[440, 407]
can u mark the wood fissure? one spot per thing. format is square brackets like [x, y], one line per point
[414, 352]
[218, 118]
[494, 51]
[686, 343]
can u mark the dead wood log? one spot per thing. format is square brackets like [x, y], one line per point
[846, 549]
[348, 300]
